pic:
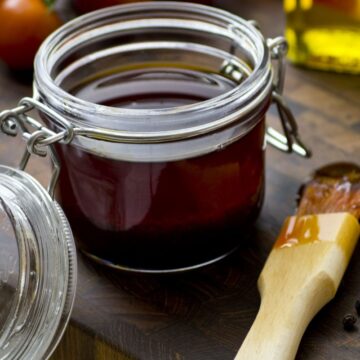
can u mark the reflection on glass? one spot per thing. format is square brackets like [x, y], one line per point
[8, 265]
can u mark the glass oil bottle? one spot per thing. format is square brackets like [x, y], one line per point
[324, 34]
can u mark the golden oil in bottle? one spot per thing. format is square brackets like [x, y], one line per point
[324, 34]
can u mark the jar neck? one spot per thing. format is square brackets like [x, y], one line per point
[219, 41]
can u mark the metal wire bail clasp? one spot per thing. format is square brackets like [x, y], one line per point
[290, 141]
[39, 139]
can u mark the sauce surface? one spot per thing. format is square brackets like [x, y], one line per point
[298, 231]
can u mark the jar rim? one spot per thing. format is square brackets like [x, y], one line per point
[242, 99]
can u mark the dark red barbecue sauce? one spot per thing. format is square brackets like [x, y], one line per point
[163, 215]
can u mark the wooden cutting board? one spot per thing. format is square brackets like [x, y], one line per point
[206, 314]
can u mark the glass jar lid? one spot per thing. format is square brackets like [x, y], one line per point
[37, 268]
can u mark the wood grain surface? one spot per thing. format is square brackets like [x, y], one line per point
[205, 314]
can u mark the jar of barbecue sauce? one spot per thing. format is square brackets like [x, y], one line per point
[155, 117]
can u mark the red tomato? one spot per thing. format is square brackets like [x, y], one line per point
[24, 24]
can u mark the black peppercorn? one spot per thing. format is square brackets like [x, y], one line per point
[349, 321]
[357, 307]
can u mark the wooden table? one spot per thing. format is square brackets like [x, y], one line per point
[206, 314]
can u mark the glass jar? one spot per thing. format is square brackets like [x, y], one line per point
[156, 112]
[37, 268]
[322, 34]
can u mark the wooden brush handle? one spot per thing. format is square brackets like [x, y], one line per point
[282, 320]
[300, 276]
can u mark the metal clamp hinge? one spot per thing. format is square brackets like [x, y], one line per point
[39, 139]
[290, 140]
